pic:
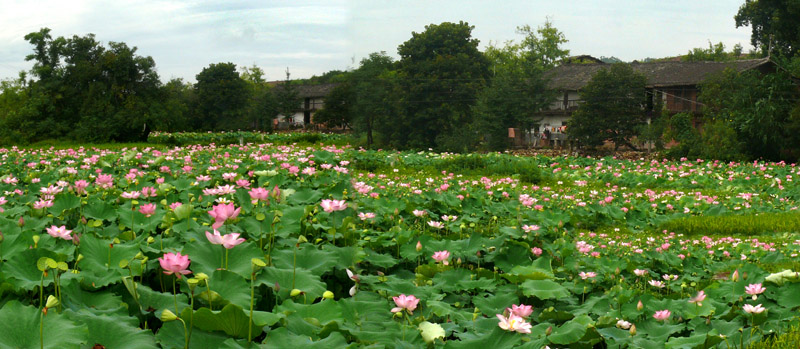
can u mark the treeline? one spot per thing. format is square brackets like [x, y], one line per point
[80, 89]
[444, 93]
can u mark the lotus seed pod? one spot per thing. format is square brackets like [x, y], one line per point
[52, 302]
[327, 295]
[295, 292]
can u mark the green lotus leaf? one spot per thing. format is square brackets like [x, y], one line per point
[544, 289]
[58, 331]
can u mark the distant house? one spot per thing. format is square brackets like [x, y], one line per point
[311, 100]
[674, 84]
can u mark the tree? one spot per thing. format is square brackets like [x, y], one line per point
[262, 106]
[775, 25]
[221, 98]
[442, 72]
[287, 96]
[376, 97]
[337, 107]
[518, 89]
[544, 47]
[756, 106]
[612, 108]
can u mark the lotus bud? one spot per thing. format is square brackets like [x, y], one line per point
[167, 316]
[419, 246]
[21, 222]
[295, 292]
[548, 331]
[735, 276]
[616, 271]
[150, 240]
[80, 258]
[52, 302]
[36, 241]
[639, 306]
[201, 276]
[327, 295]
[301, 239]
[632, 330]
[277, 287]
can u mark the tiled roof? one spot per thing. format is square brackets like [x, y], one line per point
[659, 74]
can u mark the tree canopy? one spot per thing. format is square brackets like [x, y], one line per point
[612, 107]
[775, 25]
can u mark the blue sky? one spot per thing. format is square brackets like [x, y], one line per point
[312, 37]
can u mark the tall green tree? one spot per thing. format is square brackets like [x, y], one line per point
[336, 111]
[376, 93]
[612, 107]
[442, 72]
[757, 107]
[288, 97]
[518, 89]
[775, 25]
[262, 106]
[221, 98]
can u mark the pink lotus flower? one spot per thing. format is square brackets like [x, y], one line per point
[147, 209]
[441, 256]
[435, 224]
[419, 213]
[364, 216]
[521, 310]
[173, 263]
[656, 283]
[757, 309]
[222, 213]
[104, 181]
[754, 290]
[228, 241]
[530, 228]
[623, 324]
[587, 275]
[59, 232]
[130, 195]
[408, 303]
[80, 186]
[514, 323]
[258, 194]
[640, 272]
[699, 298]
[536, 251]
[333, 205]
[662, 315]
[42, 204]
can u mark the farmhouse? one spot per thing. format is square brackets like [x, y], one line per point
[673, 85]
[311, 100]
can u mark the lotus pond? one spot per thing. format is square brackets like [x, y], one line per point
[266, 245]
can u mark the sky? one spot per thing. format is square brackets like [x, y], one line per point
[312, 37]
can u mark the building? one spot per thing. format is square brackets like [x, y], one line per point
[311, 100]
[673, 84]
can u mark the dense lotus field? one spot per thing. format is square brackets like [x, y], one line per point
[298, 246]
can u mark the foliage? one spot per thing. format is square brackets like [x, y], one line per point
[83, 90]
[739, 225]
[263, 106]
[611, 109]
[337, 107]
[714, 53]
[789, 339]
[376, 97]
[442, 72]
[518, 89]
[237, 137]
[775, 25]
[331, 245]
[222, 97]
[288, 97]
[756, 106]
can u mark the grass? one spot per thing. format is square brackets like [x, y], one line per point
[735, 225]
